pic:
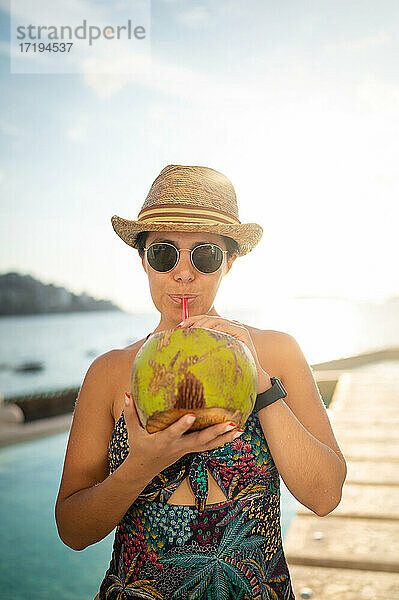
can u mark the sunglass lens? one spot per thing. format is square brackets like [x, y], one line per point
[207, 258]
[162, 257]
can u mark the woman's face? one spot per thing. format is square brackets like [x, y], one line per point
[184, 278]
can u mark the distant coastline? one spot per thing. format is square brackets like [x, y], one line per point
[25, 295]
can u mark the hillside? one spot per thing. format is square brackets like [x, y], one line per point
[25, 295]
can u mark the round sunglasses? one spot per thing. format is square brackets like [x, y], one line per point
[163, 257]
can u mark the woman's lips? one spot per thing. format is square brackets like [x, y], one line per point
[177, 299]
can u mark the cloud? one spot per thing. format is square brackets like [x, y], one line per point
[78, 131]
[194, 17]
[1, 176]
[378, 95]
[54, 11]
[157, 112]
[105, 85]
[361, 44]
[12, 130]
[154, 73]
[105, 79]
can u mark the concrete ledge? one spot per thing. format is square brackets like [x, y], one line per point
[43, 405]
[12, 433]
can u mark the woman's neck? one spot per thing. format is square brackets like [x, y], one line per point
[167, 323]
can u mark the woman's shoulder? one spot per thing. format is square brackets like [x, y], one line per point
[272, 347]
[114, 368]
[268, 335]
[116, 357]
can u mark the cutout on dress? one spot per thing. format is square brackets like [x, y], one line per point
[183, 494]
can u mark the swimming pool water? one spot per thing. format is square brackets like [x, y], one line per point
[34, 563]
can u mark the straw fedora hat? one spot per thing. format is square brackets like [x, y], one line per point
[186, 198]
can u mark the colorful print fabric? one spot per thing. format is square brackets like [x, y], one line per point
[230, 550]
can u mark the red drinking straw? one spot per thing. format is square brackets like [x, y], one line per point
[184, 308]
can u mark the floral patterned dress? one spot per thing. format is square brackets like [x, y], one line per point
[225, 551]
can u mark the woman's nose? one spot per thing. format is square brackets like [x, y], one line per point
[184, 268]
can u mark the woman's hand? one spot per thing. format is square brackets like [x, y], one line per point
[235, 329]
[163, 448]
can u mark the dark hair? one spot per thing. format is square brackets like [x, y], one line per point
[231, 245]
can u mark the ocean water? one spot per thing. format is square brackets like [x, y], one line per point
[68, 343]
[34, 562]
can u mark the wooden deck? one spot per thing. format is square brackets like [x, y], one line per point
[353, 553]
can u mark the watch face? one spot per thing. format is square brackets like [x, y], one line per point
[276, 392]
[280, 386]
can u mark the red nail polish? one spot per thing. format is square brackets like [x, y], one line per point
[231, 423]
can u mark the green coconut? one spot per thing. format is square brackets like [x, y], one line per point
[193, 370]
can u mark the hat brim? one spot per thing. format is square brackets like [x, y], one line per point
[247, 235]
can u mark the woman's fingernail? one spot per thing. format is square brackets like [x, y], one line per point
[229, 427]
[190, 419]
[179, 325]
[127, 399]
[238, 433]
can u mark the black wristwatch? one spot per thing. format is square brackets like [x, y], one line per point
[276, 392]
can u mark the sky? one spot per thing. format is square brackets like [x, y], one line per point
[296, 102]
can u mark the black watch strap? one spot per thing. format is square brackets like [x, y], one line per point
[274, 393]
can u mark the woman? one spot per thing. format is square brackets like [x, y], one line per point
[170, 541]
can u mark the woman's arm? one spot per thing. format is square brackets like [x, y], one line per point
[89, 515]
[298, 431]
[90, 501]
